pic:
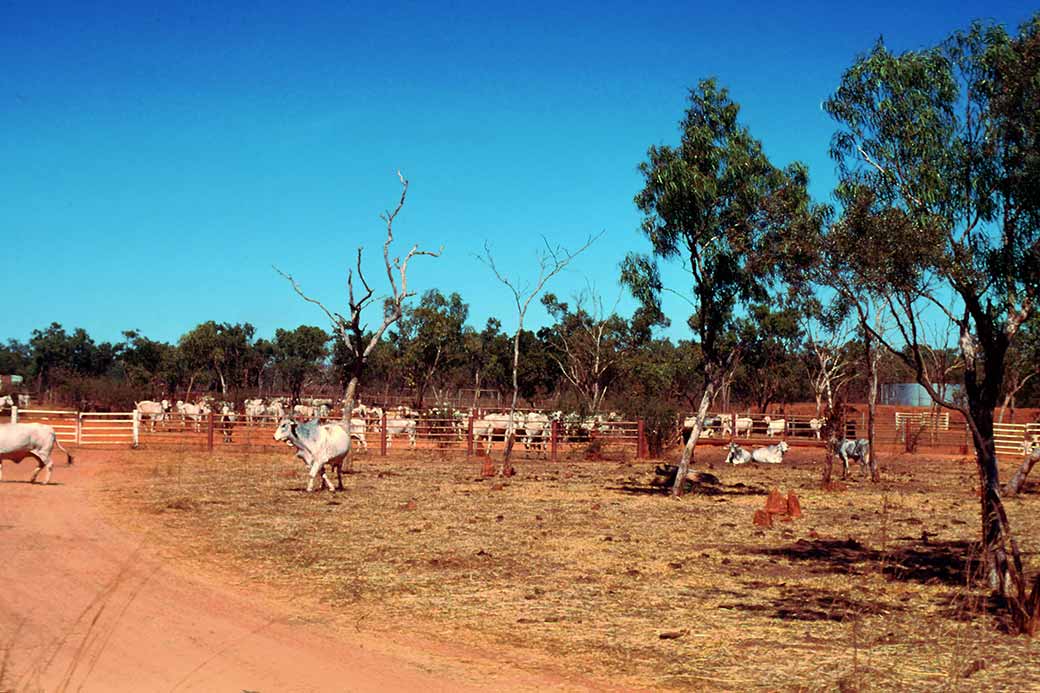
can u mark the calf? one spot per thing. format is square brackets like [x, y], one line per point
[20, 440]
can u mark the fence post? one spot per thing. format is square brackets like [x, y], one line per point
[137, 428]
[79, 428]
[382, 435]
[14, 414]
[209, 431]
[554, 439]
[641, 440]
[469, 437]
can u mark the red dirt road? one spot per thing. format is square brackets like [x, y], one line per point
[84, 607]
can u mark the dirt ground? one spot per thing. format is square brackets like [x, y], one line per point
[569, 574]
[92, 605]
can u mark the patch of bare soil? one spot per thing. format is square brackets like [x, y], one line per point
[589, 565]
[88, 605]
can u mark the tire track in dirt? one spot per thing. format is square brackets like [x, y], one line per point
[85, 606]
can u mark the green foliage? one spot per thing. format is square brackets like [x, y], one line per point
[222, 349]
[298, 354]
[718, 206]
[938, 158]
[429, 339]
[770, 369]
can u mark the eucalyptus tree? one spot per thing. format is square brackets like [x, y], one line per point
[298, 354]
[429, 339]
[718, 207]
[218, 348]
[772, 342]
[939, 153]
[588, 345]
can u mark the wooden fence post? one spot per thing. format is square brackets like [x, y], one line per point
[136, 428]
[79, 428]
[469, 437]
[14, 414]
[641, 440]
[554, 439]
[209, 431]
[382, 435]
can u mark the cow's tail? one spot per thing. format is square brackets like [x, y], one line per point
[62, 448]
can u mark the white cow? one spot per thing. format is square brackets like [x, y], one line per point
[496, 424]
[770, 454]
[6, 402]
[275, 408]
[396, 427]
[536, 430]
[20, 440]
[737, 455]
[23, 401]
[317, 445]
[254, 409]
[189, 411]
[816, 425]
[155, 411]
[775, 426]
[358, 428]
[858, 450]
[304, 411]
[743, 425]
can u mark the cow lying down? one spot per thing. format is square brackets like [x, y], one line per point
[770, 454]
[21, 440]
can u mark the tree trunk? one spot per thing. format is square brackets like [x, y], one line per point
[994, 519]
[1004, 406]
[476, 391]
[688, 451]
[191, 384]
[1019, 479]
[511, 427]
[872, 359]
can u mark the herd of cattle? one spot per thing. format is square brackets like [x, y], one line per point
[327, 444]
[532, 428]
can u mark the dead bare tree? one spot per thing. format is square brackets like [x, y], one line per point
[551, 261]
[589, 345]
[830, 368]
[350, 329]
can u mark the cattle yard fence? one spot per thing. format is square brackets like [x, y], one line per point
[438, 433]
[388, 435]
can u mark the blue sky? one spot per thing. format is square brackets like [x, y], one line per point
[158, 161]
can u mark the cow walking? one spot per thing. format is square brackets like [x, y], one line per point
[21, 440]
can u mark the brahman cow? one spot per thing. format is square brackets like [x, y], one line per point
[396, 427]
[155, 411]
[775, 426]
[858, 449]
[317, 445]
[743, 425]
[496, 424]
[770, 454]
[20, 440]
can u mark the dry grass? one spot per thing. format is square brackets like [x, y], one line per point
[581, 560]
